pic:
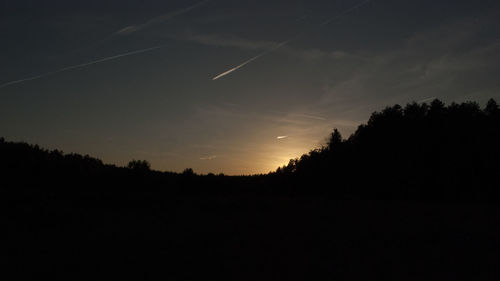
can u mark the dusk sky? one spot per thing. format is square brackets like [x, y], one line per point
[134, 79]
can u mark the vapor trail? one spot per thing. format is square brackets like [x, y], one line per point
[254, 58]
[279, 45]
[160, 19]
[154, 21]
[82, 65]
[427, 99]
[346, 12]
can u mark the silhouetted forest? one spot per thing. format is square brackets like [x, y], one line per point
[411, 195]
[420, 151]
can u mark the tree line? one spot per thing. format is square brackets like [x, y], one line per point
[417, 151]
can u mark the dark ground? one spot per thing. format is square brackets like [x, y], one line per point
[158, 238]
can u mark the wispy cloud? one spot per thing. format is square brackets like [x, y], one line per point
[281, 137]
[222, 40]
[232, 41]
[426, 99]
[289, 40]
[310, 116]
[444, 61]
[208, 158]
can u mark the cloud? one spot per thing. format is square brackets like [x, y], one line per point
[221, 40]
[291, 39]
[308, 54]
[127, 30]
[208, 158]
[281, 137]
[310, 116]
[231, 41]
[452, 61]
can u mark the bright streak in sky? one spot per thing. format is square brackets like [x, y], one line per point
[286, 42]
[73, 67]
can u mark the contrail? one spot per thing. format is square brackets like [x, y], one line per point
[310, 116]
[154, 21]
[279, 45]
[346, 12]
[82, 65]
[254, 58]
[160, 19]
[427, 99]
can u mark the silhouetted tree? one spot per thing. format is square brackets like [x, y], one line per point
[436, 108]
[139, 165]
[188, 172]
[335, 139]
[415, 111]
[491, 108]
[291, 167]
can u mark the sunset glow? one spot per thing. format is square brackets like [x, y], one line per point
[203, 85]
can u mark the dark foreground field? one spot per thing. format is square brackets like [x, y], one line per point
[412, 195]
[158, 238]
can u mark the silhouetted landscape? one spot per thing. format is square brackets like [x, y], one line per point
[411, 195]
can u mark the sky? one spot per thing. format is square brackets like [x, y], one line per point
[234, 87]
